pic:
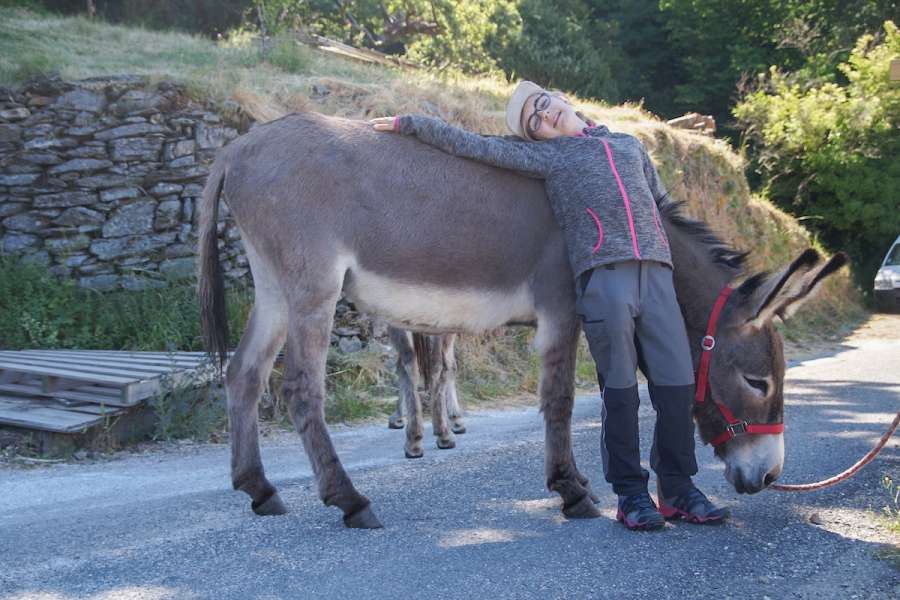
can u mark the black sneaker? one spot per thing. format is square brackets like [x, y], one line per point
[694, 507]
[638, 513]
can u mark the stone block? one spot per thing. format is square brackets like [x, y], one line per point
[80, 165]
[177, 251]
[211, 136]
[82, 131]
[87, 152]
[78, 216]
[165, 189]
[104, 181]
[19, 179]
[82, 101]
[11, 133]
[41, 257]
[168, 214]
[103, 282]
[15, 114]
[17, 242]
[50, 143]
[41, 158]
[126, 149]
[114, 194]
[75, 260]
[131, 219]
[64, 200]
[178, 267]
[184, 161]
[9, 207]
[130, 130]
[135, 101]
[107, 249]
[179, 149]
[30, 222]
[193, 190]
[185, 174]
[68, 244]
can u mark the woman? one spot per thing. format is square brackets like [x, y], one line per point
[604, 190]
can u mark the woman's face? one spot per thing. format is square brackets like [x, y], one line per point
[546, 116]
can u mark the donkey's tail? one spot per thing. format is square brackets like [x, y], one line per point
[211, 283]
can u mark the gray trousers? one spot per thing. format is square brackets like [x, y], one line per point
[632, 320]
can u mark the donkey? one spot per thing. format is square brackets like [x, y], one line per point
[434, 358]
[437, 244]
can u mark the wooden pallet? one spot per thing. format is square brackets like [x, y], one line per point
[70, 390]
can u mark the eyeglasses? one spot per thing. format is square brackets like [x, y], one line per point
[541, 103]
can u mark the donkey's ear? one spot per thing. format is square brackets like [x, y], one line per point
[765, 296]
[811, 285]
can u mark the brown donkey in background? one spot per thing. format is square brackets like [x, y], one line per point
[438, 244]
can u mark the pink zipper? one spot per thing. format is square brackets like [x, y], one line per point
[599, 230]
[615, 171]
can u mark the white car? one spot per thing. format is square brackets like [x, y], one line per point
[887, 280]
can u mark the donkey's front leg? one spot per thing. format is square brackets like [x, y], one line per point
[557, 390]
[304, 391]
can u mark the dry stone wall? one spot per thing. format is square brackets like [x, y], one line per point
[100, 179]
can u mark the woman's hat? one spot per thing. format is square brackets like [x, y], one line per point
[516, 103]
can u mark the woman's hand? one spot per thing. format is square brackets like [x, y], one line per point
[386, 124]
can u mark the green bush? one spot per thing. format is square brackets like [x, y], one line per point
[828, 152]
[38, 310]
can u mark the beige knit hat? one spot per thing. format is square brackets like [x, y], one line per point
[515, 105]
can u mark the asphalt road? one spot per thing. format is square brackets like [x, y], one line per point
[474, 522]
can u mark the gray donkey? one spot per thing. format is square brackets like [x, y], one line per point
[437, 244]
[433, 357]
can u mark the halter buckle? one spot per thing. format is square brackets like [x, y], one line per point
[708, 342]
[736, 429]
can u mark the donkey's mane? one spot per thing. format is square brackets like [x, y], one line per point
[720, 252]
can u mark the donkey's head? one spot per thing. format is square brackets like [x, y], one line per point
[746, 369]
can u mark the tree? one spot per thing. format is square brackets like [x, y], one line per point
[827, 150]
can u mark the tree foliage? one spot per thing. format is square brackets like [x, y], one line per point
[828, 151]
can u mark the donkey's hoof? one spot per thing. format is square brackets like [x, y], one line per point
[446, 444]
[364, 518]
[396, 423]
[594, 498]
[458, 428]
[269, 507]
[414, 453]
[583, 509]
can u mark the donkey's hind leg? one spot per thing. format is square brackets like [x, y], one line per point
[304, 390]
[454, 412]
[246, 376]
[407, 375]
[438, 392]
[557, 345]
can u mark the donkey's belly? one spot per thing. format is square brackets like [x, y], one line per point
[432, 308]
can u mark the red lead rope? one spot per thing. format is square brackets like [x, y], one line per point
[734, 427]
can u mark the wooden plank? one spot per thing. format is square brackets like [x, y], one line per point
[124, 367]
[33, 415]
[78, 395]
[179, 362]
[79, 367]
[66, 373]
[895, 70]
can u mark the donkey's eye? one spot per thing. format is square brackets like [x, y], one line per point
[758, 384]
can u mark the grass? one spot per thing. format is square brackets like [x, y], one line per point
[38, 310]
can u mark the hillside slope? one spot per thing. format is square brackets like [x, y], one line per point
[705, 173]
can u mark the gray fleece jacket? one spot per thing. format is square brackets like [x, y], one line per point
[602, 186]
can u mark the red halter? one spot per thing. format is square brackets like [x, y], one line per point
[734, 427]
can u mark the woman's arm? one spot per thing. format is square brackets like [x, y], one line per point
[532, 158]
[657, 188]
